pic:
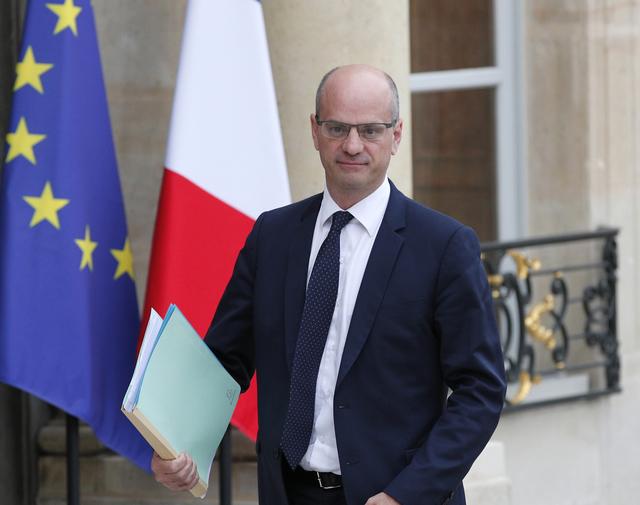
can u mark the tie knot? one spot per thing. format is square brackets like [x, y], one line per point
[340, 220]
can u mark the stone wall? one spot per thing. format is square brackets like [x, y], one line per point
[583, 90]
[140, 48]
[614, 193]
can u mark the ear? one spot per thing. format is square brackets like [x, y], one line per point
[314, 131]
[397, 136]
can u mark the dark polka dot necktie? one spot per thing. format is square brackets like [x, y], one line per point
[319, 304]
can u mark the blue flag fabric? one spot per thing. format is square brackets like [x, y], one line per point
[68, 311]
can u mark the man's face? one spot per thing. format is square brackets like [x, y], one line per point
[354, 167]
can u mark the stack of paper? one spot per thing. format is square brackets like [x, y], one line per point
[180, 397]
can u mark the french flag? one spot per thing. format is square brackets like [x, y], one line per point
[225, 165]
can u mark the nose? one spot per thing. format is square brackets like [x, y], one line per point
[352, 144]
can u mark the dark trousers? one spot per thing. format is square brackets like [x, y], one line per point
[302, 490]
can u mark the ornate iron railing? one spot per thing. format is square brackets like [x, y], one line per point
[555, 302]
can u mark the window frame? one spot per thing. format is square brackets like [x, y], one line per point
[506, 79]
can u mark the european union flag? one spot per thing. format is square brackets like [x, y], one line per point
[68, 310]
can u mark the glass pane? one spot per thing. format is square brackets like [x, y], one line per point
[454, 156]
[447, 34]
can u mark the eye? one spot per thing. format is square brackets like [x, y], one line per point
[371, 131]
[336, 130]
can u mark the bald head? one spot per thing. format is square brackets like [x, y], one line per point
[355, 162]
[359, 75]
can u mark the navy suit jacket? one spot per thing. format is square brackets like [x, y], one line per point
[422, 326]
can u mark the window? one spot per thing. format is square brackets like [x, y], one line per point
[466, 128]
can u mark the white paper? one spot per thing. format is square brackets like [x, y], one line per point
[148, 343]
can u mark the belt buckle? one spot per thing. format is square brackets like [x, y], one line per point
[321, 484]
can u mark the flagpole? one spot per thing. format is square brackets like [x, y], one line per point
[73, 461]
[225, 469]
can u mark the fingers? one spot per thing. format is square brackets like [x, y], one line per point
[372, 501]
[179, 474]
[183, 478]
[190, 478]
[167, 466]
[381, 499]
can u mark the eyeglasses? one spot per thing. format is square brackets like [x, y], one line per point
[339, 131]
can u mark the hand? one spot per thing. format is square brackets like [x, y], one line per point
[381, 499]
[178, 474]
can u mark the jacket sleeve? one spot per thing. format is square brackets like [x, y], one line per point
[473, 369]
[230, 335]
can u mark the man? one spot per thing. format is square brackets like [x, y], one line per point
[358, 324]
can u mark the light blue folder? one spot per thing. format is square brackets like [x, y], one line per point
[186, 397]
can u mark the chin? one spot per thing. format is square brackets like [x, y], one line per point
[351, 169]
[351, 179]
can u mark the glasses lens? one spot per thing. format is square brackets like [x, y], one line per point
[335, 130]
[339, 131]
[372, 131]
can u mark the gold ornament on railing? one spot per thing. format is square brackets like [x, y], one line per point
[524, 387]
[536, 328]
[495, 282]
[524, 264]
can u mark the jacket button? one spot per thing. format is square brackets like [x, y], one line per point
[276, 454]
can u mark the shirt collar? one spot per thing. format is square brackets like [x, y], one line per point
[369, 211]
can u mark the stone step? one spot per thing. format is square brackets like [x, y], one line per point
[487, 481]
[109, 479]
[52, 438]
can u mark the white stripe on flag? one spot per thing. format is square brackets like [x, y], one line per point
[225, 133]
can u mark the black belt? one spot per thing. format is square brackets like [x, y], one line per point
[324, 480]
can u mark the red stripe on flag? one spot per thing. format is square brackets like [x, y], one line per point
[196, 242]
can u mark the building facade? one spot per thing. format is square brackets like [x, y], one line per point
[522, 118]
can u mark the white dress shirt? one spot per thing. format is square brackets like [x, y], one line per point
[356, 241]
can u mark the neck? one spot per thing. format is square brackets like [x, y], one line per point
[347, 199]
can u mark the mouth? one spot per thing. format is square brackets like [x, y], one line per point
[351, 163]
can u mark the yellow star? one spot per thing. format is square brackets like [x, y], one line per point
[124, 257]
[29, 72]
[46, 207]
[21, 142]
[87, 246]
[67, 14]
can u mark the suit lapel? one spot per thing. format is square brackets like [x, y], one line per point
[296, 279]
[375, 280]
